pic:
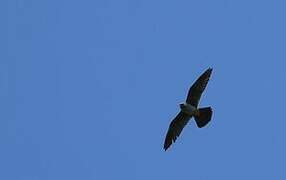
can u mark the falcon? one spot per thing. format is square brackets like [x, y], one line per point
[190, 109]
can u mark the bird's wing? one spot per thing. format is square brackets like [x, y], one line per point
[198, 87]
[176, 128]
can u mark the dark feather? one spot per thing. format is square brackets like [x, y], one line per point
[204, 116]
[176, 128]
[198, 88]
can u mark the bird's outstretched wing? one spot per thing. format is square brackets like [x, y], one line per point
[176, 128]
[198, 87]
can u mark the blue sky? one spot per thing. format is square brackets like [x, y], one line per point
[88, 89]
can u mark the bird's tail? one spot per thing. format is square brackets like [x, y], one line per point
[203, 117]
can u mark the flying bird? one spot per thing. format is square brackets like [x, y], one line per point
[190, 109]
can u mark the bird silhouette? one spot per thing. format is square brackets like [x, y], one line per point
[190, 109]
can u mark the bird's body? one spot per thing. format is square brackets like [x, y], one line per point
[190, 109]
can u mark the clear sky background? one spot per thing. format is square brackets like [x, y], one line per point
[88, 89]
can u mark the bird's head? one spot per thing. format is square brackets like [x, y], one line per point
[182, 105]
